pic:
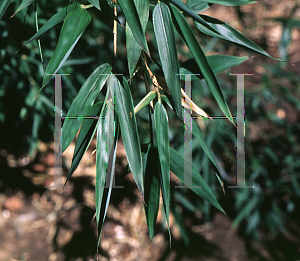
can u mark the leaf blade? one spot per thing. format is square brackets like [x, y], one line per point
[87, 131]
[189, 38]
[152, 188]
[129, 9]
[177, 163]
[125, 111]
[162, 133]
[145, 101]
[83, 102]
[101, 162]
[164, 33]
[182, 6]
[3, 6]
[95, 3]
[74, 25]
[197, 5]
[53, 21]
[133, 47]
[23, 5]
[103, 194]
[228, 33]
[218, 63]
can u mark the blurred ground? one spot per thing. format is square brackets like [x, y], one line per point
[44, 224]
[56, 225]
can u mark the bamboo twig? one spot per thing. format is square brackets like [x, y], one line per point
[115, 30]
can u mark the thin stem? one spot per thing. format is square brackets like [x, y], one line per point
[37, 29]
[115, 30]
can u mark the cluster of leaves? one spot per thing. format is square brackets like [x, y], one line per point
[275, 163]
[151, 162]
[272, 158]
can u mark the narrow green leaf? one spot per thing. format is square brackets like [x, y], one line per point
[74, 25]
[152, 188]
[217, 63]
[246, 210]
[189, 38]
[3, 6]
[227, 33]
[162, 134]
[24, 4]
[165, 98]
[132, 46]
[293, 22]
[120, 178]
[185, 201]
[87, 131]
[101, 162]
[125, 111]
[164, 33]
[95, 3]
[83, 102]
[177, 167]
[53, 21]
[103, 210]
[129, 9]
[221, 183]
[145, 101]
[231, 2]
[37, 28]
[197, 5]
[183, 7]
[103, 193]
[105, 148]
[198, 135]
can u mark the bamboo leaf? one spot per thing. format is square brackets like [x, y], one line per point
[217, 63]
[197, 5]
[162, 133]
[177, 167]
[101, 162]
[198, 135]
[189, 38]
[87, 131]
[95, 3]
[183, 7]
[145, 101]
[227, 33]
[133, 47]
[106, 144]
[83, 102]
[125, 111]
[74, 25]
[164, 33]
[129, 9]
[106, 192]
[23, 5]
[152, 188]
[53, 21]
[246, 210]
[3, 6]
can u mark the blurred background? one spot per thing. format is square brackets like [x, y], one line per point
[261, 223]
